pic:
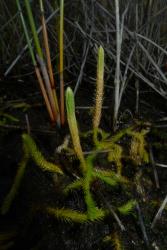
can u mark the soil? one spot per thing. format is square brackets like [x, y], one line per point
[31, 229]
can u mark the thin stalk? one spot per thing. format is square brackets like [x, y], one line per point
[37, 71]
[137, 60]
[159, 213]
[48, 57]
[117, 73]
[48, 86]
[26, 33]
[19, 56]
[41, 61]
[46, 44]
[33, 28]
[41, 83]
[61, 51]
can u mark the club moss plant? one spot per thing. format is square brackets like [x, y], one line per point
[30, 150]
[99, 92]
[114, 239]
[70, 107]
[137, 150]
[14, 189]
[89, 172]
[127, 208]
[67, 215]
[137, 153]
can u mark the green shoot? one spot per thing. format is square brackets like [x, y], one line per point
[72, 122]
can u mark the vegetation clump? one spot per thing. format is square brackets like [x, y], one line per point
[108, 175]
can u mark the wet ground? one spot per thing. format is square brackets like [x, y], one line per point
[28, 228]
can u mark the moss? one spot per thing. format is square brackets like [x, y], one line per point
[16, 184]
[7, 239]
[38, 157]
[127, 208]
[67, 215]
[30, 150]
[138, 151]
[115, 241]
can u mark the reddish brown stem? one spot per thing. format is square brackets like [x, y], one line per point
[62, 109]
[43, 90]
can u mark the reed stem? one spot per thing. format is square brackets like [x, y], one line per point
[48, 57]
[61, 51]
[41, 83]
[37, 71]
[33, 28]
[48, 86]
[117, 73]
